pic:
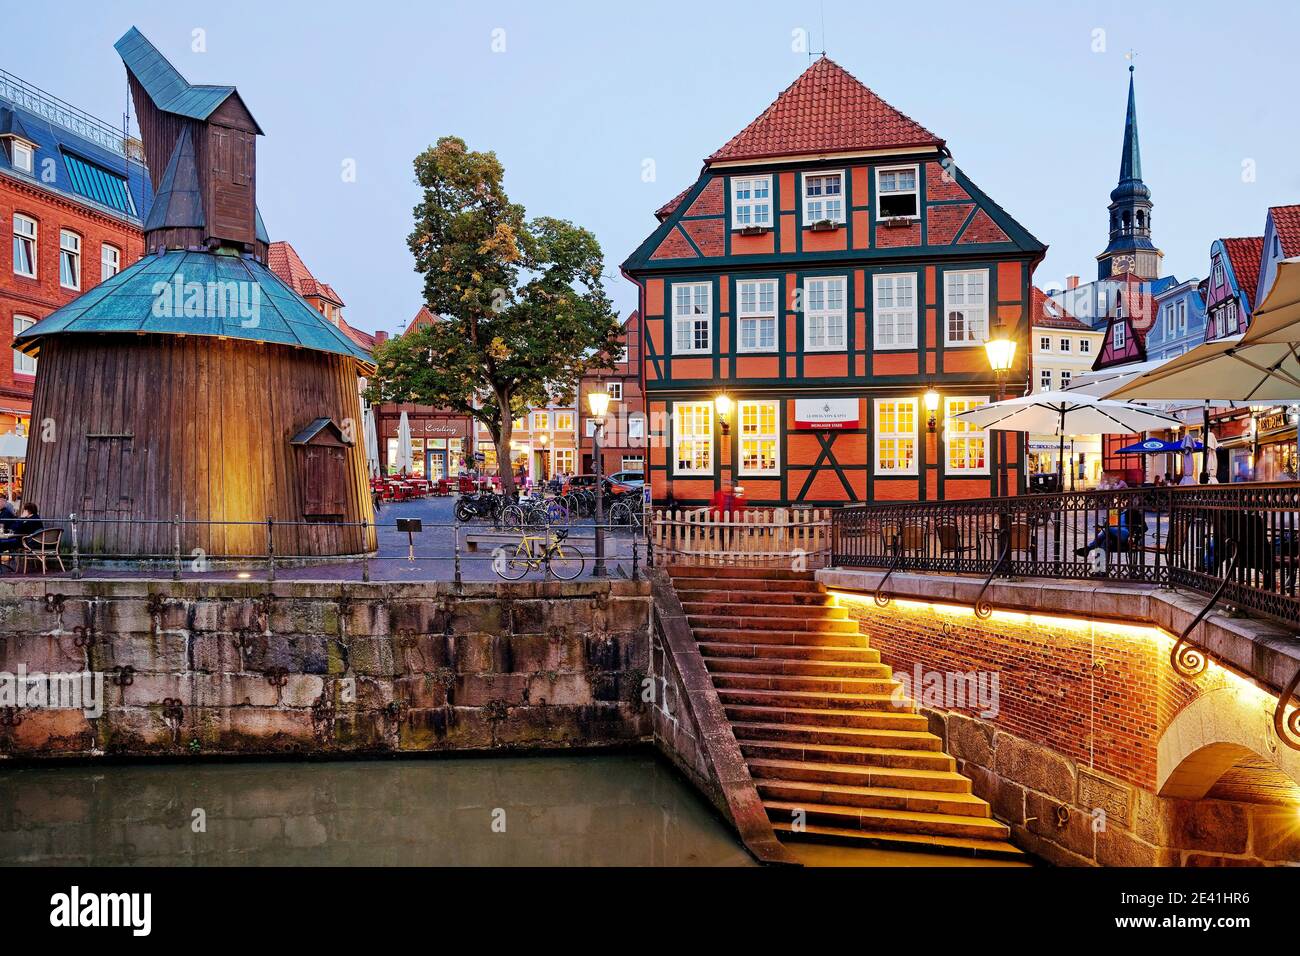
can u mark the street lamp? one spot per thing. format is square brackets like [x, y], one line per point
[723, 404]
[598, 405]
[932, 406]
[1001, 350]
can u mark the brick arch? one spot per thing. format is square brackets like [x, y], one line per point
[1226, 729]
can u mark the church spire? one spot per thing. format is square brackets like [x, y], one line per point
[1130, 162]
[1130, 249]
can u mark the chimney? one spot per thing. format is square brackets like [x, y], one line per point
[381, 337]
[1072, 282]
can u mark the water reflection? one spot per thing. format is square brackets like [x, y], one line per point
[619, 810]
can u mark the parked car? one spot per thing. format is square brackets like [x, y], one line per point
[635, 479]
[588, 483]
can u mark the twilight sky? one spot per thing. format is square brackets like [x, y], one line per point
[1029, 96]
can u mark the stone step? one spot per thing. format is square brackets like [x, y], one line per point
[822, 700]
[687, 585]
[881, 839]
[800, 682]
[809, 668]
[824, 717]
[803, 623]
[871, 818]
[803, 792]
[853, 736]
[803, 653]
[758, 608]
[907, 778]
[768, 596]
[733, 573]
[729, 635]
[847, 755]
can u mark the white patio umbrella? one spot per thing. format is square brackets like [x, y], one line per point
[13, 449]
[1066, 413]
[372, 443]
[405, 462]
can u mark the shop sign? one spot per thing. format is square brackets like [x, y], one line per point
[825, 413]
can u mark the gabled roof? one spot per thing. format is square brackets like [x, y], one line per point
[170, 91]
[422, 318]
[670, 207]
[11, 125]
[1244, 255]
[1047, 313]
[315, 427]
[826, 110]
[285, 262]
[1286, 226]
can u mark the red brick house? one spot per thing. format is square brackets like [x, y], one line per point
[284, 261]
[830, 267]
[623, 442]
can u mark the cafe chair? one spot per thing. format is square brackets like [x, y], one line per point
[43, 547]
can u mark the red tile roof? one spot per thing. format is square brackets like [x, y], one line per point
[1244, 253]
[1286, 223]
[670, 207]
[284, 261]
[826, 110]
[1049, 314]
[422, 318]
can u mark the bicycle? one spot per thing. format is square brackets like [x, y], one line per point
[539, 552]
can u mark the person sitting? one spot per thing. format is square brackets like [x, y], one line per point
[8, 516]
[1115, 539]
[27, 522]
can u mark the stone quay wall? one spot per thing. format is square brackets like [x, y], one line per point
[294, 667]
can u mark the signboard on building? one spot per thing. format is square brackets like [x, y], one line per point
[825, 413]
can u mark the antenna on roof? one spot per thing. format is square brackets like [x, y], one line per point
[823, 4]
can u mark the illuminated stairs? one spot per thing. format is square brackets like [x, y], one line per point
[813, 710]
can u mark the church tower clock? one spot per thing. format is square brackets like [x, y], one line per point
[1130, 248]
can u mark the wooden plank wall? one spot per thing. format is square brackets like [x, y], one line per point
[192, 426]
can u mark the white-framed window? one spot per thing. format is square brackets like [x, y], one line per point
[760, 439]
[110, 261]
[591, 426]
[564, 421]
[1065, 345]
[1065, 378]
[751, 202]
[756, 315]
[1045, 343]
[1218, 272]
[69, 259]
[541, 421]
[1045, 379]
[692, 317]
[1085, 346]
[1230, 315]
[1182, 317]
[633, 463]
[897, 193]
[636, 427]
[564, 461]
[967, 446]
[22, 156]
[1170, 324]
[24, 246]
[1117, 337]
[966, 307]
[895, 310]
[896, 436]
[23, 363]
[615, 390]
[823, 197]
[825, 314]
[693, 438]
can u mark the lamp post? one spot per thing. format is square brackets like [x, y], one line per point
[932, 406]
[598, 405]
[723, 404]
[1001, 351]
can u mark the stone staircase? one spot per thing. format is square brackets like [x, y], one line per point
[813, 710]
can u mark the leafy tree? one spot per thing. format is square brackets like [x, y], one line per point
[521, 310]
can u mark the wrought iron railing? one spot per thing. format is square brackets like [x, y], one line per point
[50, 107]
[1183, 536]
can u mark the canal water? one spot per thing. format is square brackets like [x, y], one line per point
[629, 809]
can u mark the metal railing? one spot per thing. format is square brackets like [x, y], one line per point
[1185, 536]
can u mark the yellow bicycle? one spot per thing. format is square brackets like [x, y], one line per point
[539, 552]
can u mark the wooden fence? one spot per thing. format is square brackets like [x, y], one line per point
[773, 537]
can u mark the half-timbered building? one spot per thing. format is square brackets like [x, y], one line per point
[831, 267]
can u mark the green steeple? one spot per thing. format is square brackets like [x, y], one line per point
[1130, 161]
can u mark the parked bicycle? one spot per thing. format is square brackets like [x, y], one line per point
[539, 552]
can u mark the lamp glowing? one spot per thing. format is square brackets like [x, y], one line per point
[598, 403]
[1001, 350]
[931, 406]
[723, 404]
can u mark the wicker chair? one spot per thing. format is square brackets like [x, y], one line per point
[43, 547]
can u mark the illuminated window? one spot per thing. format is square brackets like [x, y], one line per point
[895, 316]
[541, 421]
[634, 463]
[965, 303]
[823, 198]
[564, 461]
[564, 421]
[692, 317]
[896, 436]
[967, 445]
[693, 438]
[759, 438]
[751, 202]
[756, 315]
[824, 314]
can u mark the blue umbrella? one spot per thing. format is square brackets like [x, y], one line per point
[1154, 446]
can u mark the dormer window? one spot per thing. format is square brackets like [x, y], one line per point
[823, 198]
[21, 156]
[751, 202]
[897, 194]
[1117, 337]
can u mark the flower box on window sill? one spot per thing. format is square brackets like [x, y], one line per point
[753, 230]
[824, 225]
[900, 222]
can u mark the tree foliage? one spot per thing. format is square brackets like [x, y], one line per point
[520, 309]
